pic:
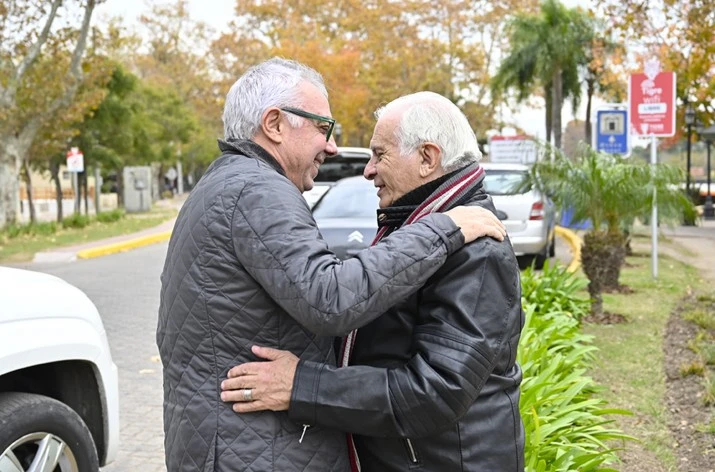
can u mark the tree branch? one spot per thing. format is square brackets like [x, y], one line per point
[7, 96]
[74, 73]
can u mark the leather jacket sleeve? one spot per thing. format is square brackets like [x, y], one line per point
[276, 239]
[469, 308]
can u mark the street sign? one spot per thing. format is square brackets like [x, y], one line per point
[519, 149]
[612, 132]
[75, 160]
[651, 101]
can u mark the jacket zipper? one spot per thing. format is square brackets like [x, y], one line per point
[411, 450]
[305, 428]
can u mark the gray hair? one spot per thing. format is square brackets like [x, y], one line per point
[431, 117]
[273, 83]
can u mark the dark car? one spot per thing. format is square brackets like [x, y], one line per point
[348, 162]
[346, 216]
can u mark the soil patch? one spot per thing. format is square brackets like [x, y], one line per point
[694, 450]
[605, 318]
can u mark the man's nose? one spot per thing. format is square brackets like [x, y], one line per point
[331, 147]
[370, 170]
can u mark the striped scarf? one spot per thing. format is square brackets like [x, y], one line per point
[442, 199]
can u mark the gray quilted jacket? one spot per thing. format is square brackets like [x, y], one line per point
[246, 265]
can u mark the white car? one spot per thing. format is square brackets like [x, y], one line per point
[529, 216]
[59, 397]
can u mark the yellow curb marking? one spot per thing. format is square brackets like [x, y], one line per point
[123, 246]
[575, 242]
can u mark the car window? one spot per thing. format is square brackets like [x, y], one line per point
[348, 201]
[344, 164]
[505, 182]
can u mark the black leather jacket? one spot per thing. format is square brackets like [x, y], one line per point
[433, 383]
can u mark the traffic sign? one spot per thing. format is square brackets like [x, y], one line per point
[651, 101]
[75, 160]
[513, 149]
[612, 132]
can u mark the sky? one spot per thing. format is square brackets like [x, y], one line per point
[221, 11]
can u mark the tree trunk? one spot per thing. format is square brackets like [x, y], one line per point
[547, 112]
[614, 262]
[85, 188]
[55, 171]
[556, 106]
[602, 257]
[590, 90]
[120, 188]
[28, 182]
[15, 143]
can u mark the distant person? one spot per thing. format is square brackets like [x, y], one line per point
[433, 384]
[246, 265]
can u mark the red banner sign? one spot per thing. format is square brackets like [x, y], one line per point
[651, 102]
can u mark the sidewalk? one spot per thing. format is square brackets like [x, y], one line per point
[694, 245]
[104, 247]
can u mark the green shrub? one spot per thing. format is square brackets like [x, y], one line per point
[33, 229]
[110, 216]
[566, 424]
[555, 288]
[75, 220]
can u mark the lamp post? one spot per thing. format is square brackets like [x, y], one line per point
[708, 134]
[689, 122]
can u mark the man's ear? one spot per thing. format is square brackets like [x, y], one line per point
[272, 125]
[431, 159]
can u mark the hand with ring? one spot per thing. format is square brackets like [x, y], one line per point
[257, 386]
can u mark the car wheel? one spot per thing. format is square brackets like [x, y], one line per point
[552, 247]
[41, 433]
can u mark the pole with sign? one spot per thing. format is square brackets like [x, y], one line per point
[612, 131]
[651, 105]
[75, 164]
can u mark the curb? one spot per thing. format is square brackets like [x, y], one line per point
[575, 242]
[123, 246]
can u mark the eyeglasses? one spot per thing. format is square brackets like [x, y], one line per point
[327, 130]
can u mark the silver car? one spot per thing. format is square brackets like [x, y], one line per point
[528, 215]
[347, 218]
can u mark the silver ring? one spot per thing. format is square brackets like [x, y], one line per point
[247, 395]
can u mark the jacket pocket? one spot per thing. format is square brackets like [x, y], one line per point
[413, 458]
[320, 449]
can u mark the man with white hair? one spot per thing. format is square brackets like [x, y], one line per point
[246, 264]
[433, 384]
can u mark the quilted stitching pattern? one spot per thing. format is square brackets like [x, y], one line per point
[234, 270]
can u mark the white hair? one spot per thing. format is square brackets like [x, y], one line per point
[430, 117]
[273, 83]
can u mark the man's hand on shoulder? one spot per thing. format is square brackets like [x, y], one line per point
[475, 222]
[257, 386]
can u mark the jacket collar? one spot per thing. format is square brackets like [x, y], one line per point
[248, 148]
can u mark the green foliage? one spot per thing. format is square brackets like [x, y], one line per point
[36, 229]
[110, 216]
[694, 368]
[76, 220]
[554, 288]
[567, 425]
[609, 190]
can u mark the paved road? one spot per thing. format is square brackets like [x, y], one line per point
[125, 289]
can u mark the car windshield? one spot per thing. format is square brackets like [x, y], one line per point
[344, 164]
[505, 182]
[348, 201]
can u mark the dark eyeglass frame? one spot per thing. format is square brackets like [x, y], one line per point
[313, 116]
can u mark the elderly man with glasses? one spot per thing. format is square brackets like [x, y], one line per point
[246, 265]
